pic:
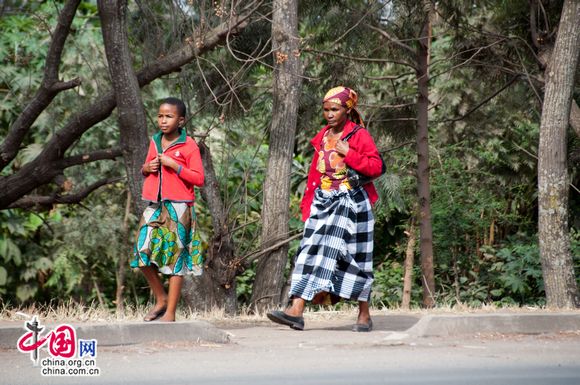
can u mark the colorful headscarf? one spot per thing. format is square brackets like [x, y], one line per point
[341, 95]
[347, 98]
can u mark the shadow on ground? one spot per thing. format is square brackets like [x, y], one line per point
[392, 323]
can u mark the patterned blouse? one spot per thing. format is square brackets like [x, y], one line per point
[331, 164]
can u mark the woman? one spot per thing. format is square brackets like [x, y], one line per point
[335, 255]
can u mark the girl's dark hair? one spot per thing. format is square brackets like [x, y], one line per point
[181, 109]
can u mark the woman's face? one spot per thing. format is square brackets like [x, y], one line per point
[168, 118]
[334, 114]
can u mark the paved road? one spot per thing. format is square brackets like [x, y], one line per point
[328, 353]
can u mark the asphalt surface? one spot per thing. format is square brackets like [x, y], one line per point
[538, 348]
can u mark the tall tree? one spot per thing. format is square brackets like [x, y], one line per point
[216, 287]
[553, 180]
[419, 59]
[269, 281]
[423, 183]
[131, 115]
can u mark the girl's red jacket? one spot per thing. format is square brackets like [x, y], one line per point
[362, 156]
[167, 184]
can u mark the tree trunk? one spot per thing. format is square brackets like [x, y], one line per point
[423, 186]
[553, 181]
[216, 287]
[122, 262]
[409, 261]
[267, 290]
[131, 115]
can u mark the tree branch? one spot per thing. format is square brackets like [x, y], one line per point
[46, 202]
[76, 160]
[383, 150]
[389, 77]
[257, 254]
[393, 40]
[63, 86]
[361, 59]
[403, 105]
[533, 25]
[484, 101]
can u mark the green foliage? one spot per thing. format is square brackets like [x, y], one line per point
[244, 284]
[87, 254]
[25, 262]
[388, 285]
[513, 273]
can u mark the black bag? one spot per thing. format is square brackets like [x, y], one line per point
[355, 178]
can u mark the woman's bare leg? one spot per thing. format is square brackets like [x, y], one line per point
[364, 314]
[297, 307]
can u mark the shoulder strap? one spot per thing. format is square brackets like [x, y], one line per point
[350, 134]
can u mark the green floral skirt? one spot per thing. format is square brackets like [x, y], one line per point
[168, 238]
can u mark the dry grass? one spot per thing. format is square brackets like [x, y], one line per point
[75, 312]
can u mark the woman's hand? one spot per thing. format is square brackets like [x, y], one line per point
[167, 161]
[342, 147]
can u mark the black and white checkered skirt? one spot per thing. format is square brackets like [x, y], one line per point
[336, 251]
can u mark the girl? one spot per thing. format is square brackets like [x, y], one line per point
[335, 257]
[167, 240]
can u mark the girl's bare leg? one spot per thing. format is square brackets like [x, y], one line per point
[175, 283]
[158, 290]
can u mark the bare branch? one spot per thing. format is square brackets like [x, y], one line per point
[361, 59]
[391, 77]
[383, 150]
[63, 86]
[484, 101]
[528, 77]
[394, 40]
[94, 156]
[384, 106]
[46, 202]
[465, 62]
[397, 120]
[257, 254]
[536, 158]
[533, 25]
[360, 19]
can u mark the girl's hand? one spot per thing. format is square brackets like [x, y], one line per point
[342, 147]
[167, 161]
[153, 166]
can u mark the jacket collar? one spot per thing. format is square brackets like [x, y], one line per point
[157, 139]
[348, 127]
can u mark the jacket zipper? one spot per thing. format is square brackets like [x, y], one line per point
[160, 188]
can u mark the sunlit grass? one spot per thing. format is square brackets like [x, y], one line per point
[71, 311]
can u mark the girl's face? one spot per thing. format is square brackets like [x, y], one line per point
[168, 119]
[334, 114]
